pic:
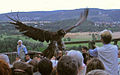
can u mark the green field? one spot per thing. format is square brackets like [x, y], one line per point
[86, 37]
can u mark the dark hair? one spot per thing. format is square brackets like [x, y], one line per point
[22, 68]
[86, 57]
[34, 63]
[84, 47]
[67, 65]
[27, 54]
[45, 66]
[4, 68]
[94, 64]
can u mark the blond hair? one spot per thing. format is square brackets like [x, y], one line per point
[106, 36]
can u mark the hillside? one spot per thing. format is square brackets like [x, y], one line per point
[6, 27]
[87, 26]
[95, 15]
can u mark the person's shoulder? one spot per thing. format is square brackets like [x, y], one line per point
[3, 55]
[100, 48]
[17, 46]
[115, 46]
[23, 46]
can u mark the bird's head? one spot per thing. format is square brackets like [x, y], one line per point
[61, 32]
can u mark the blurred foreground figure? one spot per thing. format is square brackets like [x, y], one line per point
[4, 68]
[22, 68]
[67, 65]
[5, 58]
[97, 72]
[94, 64]
[45, 66]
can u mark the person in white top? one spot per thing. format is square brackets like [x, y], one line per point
[108, 53]
[54, 61]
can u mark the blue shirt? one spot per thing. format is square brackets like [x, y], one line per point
[108, 54]
[93, 52]
[22, 47]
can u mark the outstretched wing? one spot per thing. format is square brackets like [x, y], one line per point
[82, 19]
[40, 34]
[35, 33]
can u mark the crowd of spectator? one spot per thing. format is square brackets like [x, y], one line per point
[103, 60]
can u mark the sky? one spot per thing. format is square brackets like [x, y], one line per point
[49, 5]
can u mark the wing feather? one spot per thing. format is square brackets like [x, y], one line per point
[34, 33]
[82, 19]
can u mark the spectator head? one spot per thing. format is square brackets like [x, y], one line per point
[45, 66]
[19, 42]
[4, 58]
[18, 58]
[67, 65]
[98, 72]
[27, 57]
[94, 64]
[59, 53]
[106, 36]
[78, 56]
[37, 57]
[4, 68]
[53, 58]
[22, 68]
[34, 63]
[84, 49]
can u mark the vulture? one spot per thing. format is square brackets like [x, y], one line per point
[55, 38]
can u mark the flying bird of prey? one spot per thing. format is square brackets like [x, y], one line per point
[55, 38]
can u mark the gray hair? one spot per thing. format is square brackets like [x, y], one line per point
[19, 41]
[98, 72]
[77, 55]
[5, 58]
